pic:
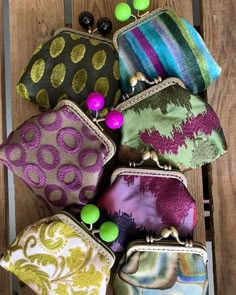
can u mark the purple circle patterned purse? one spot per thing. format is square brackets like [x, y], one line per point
[59, 154]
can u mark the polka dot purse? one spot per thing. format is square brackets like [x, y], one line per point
[71, 65]
[60, 155]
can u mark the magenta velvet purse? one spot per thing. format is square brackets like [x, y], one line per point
[143, 201]
[59, 154]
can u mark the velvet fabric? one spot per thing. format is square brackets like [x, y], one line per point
[71, 65]
[164, 44]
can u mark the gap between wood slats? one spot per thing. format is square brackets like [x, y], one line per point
[5, 283]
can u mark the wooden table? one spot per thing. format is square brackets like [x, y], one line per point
[33, 22]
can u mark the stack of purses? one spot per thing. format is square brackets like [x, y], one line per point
[148, 84]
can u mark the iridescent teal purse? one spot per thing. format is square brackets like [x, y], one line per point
[181, 127]
[159, 267]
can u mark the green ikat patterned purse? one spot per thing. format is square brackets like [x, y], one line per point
[182, 128]
[71, 65]
[59, 255]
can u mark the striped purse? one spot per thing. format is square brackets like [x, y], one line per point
[163, 44]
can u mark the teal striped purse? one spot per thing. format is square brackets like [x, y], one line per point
[163, 44]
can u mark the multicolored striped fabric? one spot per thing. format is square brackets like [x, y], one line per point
[166, 45]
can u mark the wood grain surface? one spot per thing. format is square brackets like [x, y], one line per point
[219, 29]
[31, 23]
[5, 283]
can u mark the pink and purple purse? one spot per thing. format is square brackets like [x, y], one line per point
[59, 154]
[143, 201]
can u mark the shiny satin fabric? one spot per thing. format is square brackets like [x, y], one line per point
[142, 201]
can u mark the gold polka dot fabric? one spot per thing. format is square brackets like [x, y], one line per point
[71, 64]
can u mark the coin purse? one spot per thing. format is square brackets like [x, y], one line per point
[181, 127]
[143, 201]
[163, 44]
[155, 266]
[59, 154]
[71, 65]
[59, 255]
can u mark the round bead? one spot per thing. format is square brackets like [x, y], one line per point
[165, 233]
[108, 231]
[86, 19]
[104, 25]
[114, 120]
[146, 155]
[95, 101]
[122, 12]
[141, 4]
[90, 214]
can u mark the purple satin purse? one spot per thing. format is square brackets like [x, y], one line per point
[143, 201]
[60, 155]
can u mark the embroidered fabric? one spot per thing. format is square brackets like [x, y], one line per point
[56, 256]
[182, 128]
[145, 204]
[59, 156]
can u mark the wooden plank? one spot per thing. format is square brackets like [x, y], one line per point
[31, 23]
[184, 9]
[5, 282]
[219, 27]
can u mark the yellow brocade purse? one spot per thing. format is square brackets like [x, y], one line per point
[58, 255]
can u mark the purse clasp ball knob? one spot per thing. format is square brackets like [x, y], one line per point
[95, 101]
[104, 25]
[86, 20]
[114, 119]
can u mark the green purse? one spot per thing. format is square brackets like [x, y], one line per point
[71, 65]
[182, 128]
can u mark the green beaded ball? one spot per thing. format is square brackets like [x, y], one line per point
[108, 231]
[141, 4]
[90, 214]
[122, 12]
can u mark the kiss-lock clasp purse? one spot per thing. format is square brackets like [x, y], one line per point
[71, 65]
[60, 155]
[162, 266]
[60, 255]
[142, 201]
[161, 43]
[181, 127]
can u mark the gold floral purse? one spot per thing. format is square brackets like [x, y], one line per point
[59, 255]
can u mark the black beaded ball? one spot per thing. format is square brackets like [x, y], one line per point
[86, 19]
[104, 25]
